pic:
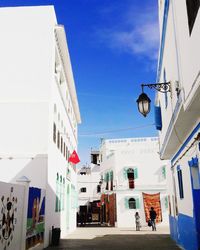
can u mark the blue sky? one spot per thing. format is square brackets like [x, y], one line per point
[113, 46]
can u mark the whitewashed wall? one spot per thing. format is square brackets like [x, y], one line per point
[140, 153]
[90, 181]
[29, 92]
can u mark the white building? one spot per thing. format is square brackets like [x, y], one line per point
[88, 184]
[133, 181]
[39, 110]
[179, 115]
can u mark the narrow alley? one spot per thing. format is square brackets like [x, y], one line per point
[107, 238]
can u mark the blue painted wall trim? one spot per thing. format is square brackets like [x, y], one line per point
[173, 228]
[183, 231]
[158, 117]
[195, 130]
[164, 26]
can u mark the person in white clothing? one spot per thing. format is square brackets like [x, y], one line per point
[137, 221]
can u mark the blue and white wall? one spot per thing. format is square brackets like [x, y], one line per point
[179, 64]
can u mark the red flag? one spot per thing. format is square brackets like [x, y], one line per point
[74, 158]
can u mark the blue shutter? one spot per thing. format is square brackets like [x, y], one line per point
[164, 172]
[166, 202]
[137, 202]
[135, 173]
[126, 204]
[125, 173]
[158, 118]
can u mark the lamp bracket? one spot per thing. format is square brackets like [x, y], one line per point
[163, 87]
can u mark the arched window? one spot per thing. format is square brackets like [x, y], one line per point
[132, 203]
[130, 174]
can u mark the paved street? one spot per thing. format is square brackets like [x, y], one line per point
[117, 239]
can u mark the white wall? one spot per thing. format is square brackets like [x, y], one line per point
[140, 153]
[90, 181]
[26, 72]
[29, 92]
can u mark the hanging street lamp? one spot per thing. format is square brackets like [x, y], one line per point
[143, 101]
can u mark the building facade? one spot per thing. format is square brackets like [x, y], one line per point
[39, 111]
[178, 115]
[133, 180]
[88, 187]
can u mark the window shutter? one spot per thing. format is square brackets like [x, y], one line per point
[105, 177]
[125, 173]
[135, 173]
[164, 172]
[166, 202]
[111, 175]
[158, 118]
[137, 202]
[57, 193]
[126, 203]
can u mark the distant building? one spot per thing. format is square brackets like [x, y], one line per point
[39, 112]
[88, 187]
[179, 115]
[133, 179]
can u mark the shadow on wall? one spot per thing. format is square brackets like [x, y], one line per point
[35, 170]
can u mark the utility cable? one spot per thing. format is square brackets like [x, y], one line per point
[116, 130]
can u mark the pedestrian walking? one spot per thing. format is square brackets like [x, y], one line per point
[137, 221]
[153, 215]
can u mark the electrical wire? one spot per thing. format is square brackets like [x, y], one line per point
[116, 130]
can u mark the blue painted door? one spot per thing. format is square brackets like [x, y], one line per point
[195, 180]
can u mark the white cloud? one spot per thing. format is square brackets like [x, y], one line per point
[137, 33]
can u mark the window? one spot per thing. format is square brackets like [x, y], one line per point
[83, 190]
[54, 132]
[61, 145]
[111, 180]
[58, 193]
[130, 173]
[66, 154]
[98, 188]
[180, 182]
[107, 181]
[192, 10]
[132, 203]
[64, 149]
[58, 139]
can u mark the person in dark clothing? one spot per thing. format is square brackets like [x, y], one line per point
[153, 215]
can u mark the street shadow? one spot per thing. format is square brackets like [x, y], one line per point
[119, 242]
